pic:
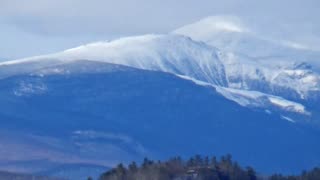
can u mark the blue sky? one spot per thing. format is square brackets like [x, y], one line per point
[34, 27]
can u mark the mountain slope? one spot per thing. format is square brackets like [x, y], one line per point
[123, 114]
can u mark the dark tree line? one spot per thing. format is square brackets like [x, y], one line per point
[196, 168]
[311, 175]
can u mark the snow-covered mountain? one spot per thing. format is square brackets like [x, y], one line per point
[198, 61]
[209, 78]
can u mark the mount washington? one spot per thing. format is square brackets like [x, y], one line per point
[213, 86]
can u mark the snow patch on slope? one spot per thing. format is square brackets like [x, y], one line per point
[288, 119]
[30, 88]
[249, 98]
[254, 98]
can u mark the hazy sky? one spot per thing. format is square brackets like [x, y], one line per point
[33, 27]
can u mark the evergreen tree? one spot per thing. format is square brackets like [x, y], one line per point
[133, 168]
